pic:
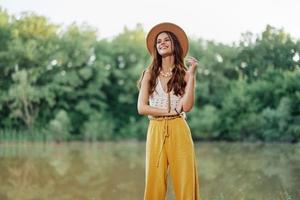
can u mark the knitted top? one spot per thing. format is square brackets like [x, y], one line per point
[159, 98]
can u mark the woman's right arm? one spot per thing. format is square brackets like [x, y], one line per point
[142, 105]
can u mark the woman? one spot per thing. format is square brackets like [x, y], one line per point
[166, 92]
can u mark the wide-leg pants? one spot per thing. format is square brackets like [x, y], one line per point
[170, 145]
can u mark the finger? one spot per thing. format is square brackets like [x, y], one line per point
[191, 58]
[193, 62]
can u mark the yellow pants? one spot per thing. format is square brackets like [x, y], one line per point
[169, 144]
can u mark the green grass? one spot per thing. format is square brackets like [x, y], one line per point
[14, 135]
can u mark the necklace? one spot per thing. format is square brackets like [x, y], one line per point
[167, 74]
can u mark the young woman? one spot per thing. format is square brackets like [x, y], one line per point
[166, 92]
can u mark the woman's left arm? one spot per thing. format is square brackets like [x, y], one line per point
[187, 101]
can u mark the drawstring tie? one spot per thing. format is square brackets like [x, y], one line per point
[166, 134]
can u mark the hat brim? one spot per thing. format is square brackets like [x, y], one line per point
[167, 26]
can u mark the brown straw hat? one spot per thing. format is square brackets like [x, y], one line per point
[167, 26]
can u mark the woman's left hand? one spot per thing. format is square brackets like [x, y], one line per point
[193, 63]
[179, 106]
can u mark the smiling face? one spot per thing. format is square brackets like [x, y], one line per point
[164, 44]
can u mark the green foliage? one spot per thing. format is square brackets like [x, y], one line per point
[23, 98]
[60, 126]
[98, 127]
[273, 49]
[204, 121]
[264, 109]
[70, 84]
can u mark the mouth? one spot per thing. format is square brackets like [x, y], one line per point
[164, 47]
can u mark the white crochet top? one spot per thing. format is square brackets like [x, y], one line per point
[159, 98]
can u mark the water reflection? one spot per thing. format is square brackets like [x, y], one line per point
[111, 171]
[249, 171]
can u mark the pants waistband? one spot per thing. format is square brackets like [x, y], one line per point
[168, 117]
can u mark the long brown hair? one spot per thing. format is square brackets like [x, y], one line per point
[177, 82]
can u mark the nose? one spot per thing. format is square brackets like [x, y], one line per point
[162, 44]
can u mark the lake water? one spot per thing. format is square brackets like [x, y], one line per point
[116, 170]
